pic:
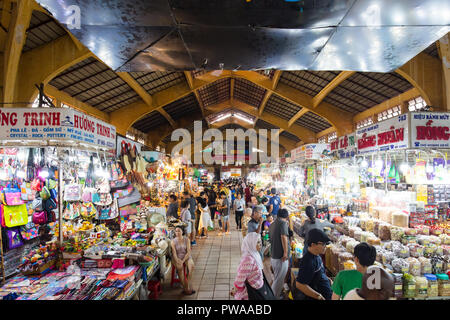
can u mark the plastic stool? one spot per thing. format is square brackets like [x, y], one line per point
[175, 279]
[155, 289]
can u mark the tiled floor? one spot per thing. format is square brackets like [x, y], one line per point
[216, 261]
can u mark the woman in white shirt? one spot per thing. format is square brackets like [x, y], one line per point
[205, 217]
[239, 207]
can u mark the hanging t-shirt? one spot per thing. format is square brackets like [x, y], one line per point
[275, 201]
[346, 281]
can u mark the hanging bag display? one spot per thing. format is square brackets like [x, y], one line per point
[88, 211]
[102, 199]
[119, 184]
[26, 193]
[45, 193]
[72, 211]
[72, 192]
[119, 194]
[102, 185]
[15, 215]
[50, 205]
[13, 238]
[87, 194]
[133, 197]
[108, 212]
[38, 204]
[39, 217]
[29, 231]
[37, 184]
[12, 196]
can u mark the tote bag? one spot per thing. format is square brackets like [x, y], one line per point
[72, 192]
[26, 193]
[134, 197]
[264, 293]
[15, 216]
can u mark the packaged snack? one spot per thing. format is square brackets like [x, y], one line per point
[400, 265]
[414, 266]
[421, 287]
[409, 286]
[433, 290]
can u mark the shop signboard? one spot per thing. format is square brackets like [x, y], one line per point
[430, 130]
[387, 135]
[345, 146]
[57, 124]
[130, 142]
[312, 151]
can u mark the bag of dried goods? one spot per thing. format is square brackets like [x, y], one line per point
[415, 250]
[387, 257]
[409, 286]
[425, 265]
[384, 232]
[400, 219]
[374, 241]
[433, 290]
[414, 266]
[397, 233]
[410, 231]
[437, 265]
[421, 287]
[400, 265]
[376, 227]
[357, 235]
[402, 251]
[445, 239]
[422, 229]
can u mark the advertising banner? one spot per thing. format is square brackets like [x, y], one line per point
[312, 151]
[430, 129]
[132, 143]
[345, 146]
[387, 135]
[55, 124]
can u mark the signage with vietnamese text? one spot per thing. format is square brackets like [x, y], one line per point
[430, 129]
[345, 146]
[58, 124]
[391, 134]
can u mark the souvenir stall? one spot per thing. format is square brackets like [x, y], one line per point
[394, 195]
[73, 224]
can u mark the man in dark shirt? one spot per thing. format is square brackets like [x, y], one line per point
[312, 281]
[172, 210]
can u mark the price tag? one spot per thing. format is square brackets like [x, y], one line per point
[411, 287]
[446, 285]
[405, 270]
[398, 287]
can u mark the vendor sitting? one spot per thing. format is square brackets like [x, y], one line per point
[181, 257]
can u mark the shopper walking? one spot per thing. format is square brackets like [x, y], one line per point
[250, 272]
[225, 213]
[274, 203]
[279, 237]
[384, 292]
[347, 280]
[172, 210]
[312, 282]
[205, 218]
[181, 258]
[239, 207]
[312, 223]
[255, 224]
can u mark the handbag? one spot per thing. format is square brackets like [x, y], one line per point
[102, 185]
[88, 210]
[45, 193]
[108, 212]
[14, 216]
[102, 199]
[50, 205]
[87, 194]
[29, 231]
[133, 197]
[71, 211]
[37, 184]
[123, 192]
[26, 193]
[12, 196]
[39, 217]
[51, 216]
[72, 192]
[53, 194]
[119, 184]
[14, 240]
[38, 204]
[263, 293]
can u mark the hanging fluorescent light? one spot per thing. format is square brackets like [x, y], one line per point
[222, 117]
[237, 115]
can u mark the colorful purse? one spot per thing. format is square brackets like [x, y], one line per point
[102, 185]
[133, 197]
[45, 193]
[37, 184]
[72, 192]
[26, 193]
[123, 192]
[71, 211]
[88, 211]
[87, 194]
[29, 232]
[14, 216]
[102, 199]
[14, 240]
[39, 217]
[50, 205]
[12, 196]
[38, 204]
[108, 212]
[119, 184]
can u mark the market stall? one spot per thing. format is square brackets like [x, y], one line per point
[77, 221]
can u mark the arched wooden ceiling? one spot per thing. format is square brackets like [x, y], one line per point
[299, 103]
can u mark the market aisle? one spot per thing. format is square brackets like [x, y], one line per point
[216, 261]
